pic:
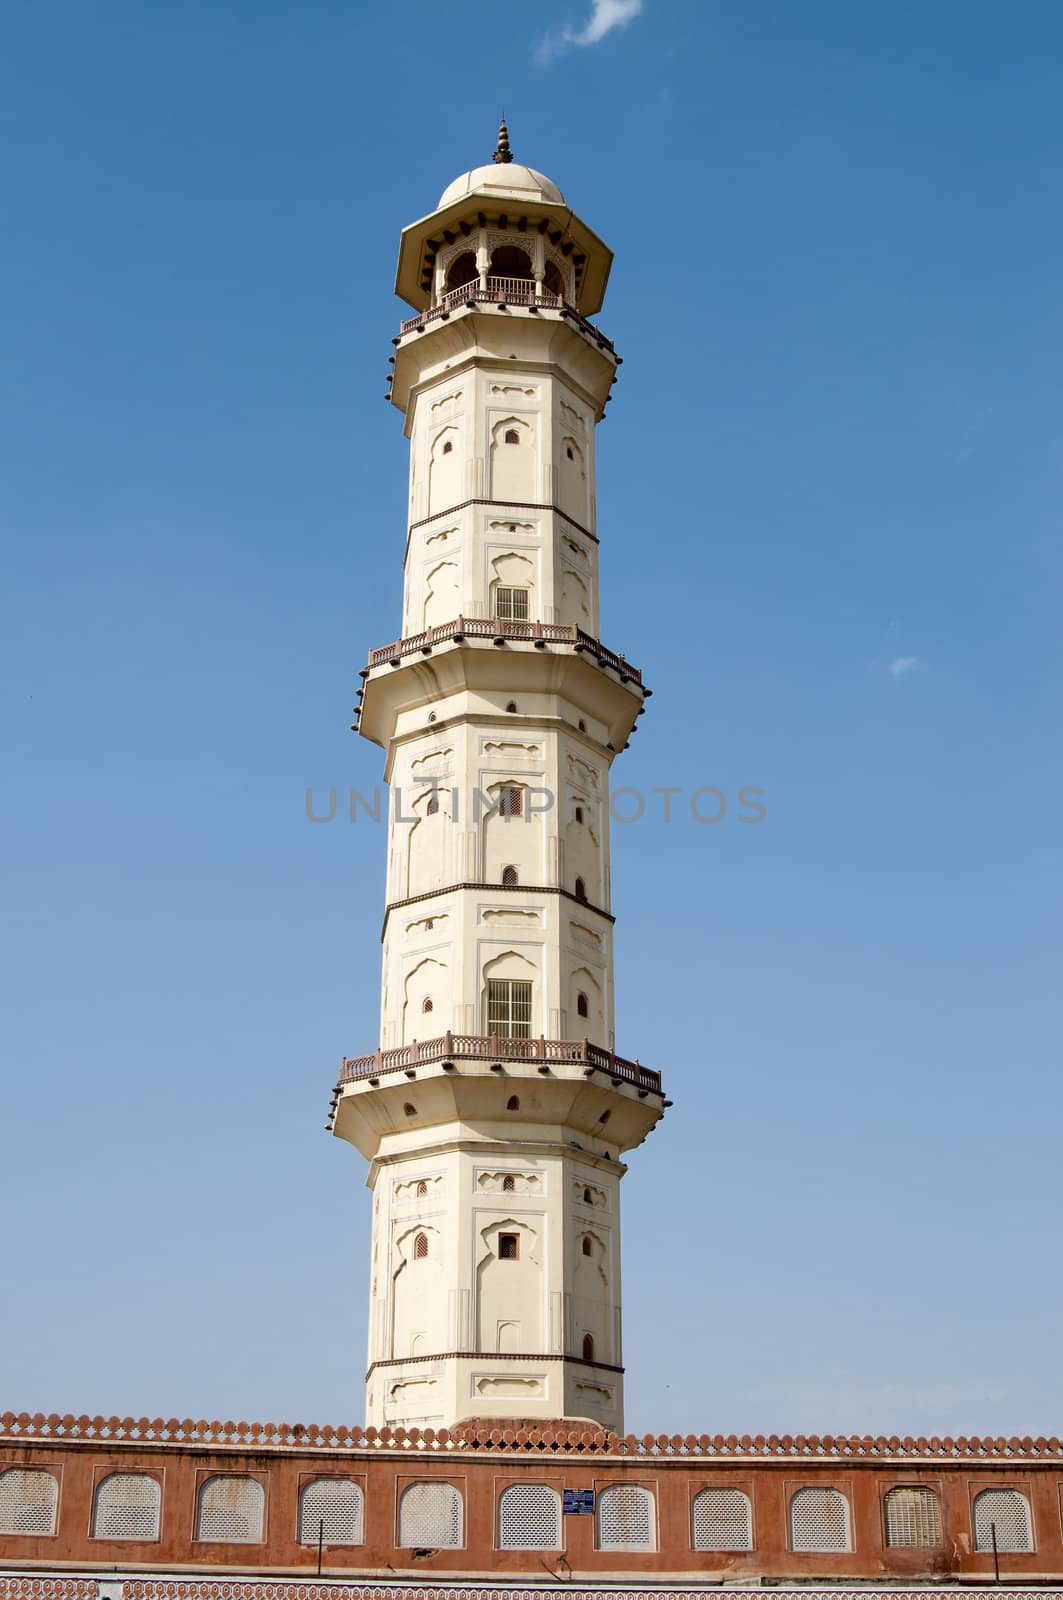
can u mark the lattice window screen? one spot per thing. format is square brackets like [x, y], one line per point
[722, 1519]
[230, 1509]
[626, 1518]
[819, 1520]
[28, 1499]
[430, 1517]
[336, 1502]
[1011, 1513]
[913, 1518]
[529, 1518]
[127, 1506]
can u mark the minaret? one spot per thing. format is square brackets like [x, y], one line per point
[495, 1112]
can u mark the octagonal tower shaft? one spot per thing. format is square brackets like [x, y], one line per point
[495, 1111]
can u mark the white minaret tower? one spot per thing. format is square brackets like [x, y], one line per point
[495, 1113]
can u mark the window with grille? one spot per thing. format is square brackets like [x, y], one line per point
[588, 1347]
[508, 1247]
[230, 1510]
[509, 1183]
[510, 877]
[420, 1247]
[28, 1500]
[626, 1519]
[430, 1517]
[512, 436]
[511, 605]
[511, 801]
[529, 1518]
[721, 1519]
[127, 1506]
[819, 1520]
[422, 1187]
[513, 1103]
[582, 1005]
[338, 1504]
[1009, 1511]
[509, 1008]
[913, 1518]
[581, 889]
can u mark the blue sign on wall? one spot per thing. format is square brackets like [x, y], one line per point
[579, 1502]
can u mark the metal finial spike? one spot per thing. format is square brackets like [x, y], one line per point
[503, 153]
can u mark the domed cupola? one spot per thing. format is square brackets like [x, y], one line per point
[506, 227]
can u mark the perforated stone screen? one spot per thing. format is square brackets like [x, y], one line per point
[430, 1517]
[626, 1518]
[1009, 1510]
[529, 1517]
[913, 1518]
[338, 1504]
[127, 1506]
[230, 1509]
[721, 1519]
[819, 1520]
[28, 1499]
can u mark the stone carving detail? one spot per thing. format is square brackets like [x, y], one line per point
[581, 773]
[440, 536]
[514, 388]
[510, 748]
[510, 916]
[446, 400]
[581, 933]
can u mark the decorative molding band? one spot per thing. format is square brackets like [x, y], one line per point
[16, 1587]
[213, 1589]
[487, 1355]
[499, 888]
[16, 1429]
[514, 505]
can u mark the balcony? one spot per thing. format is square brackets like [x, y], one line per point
[499, 630]
[502, 292]
[540, 1052]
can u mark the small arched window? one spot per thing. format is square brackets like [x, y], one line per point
[422, 1188]
[513, 1103]
[428, 924]
[1008, 1511]
[420, 1247]
[588, 1347]
[512, 706]
[569, 452]
[819, 1520]
[335, 1503]
[431, 716]
[582, 1006]
[605, 1116]
[581, 725]
[913, 1518]
[433, 805]
[509, 1183]
[588, 1248]
[426, 1003]
[512, 436]
[721, 1519]
[578, 813]
[28, 1500]
[511, 801]
[409, 1109]
[587, 1201]
[581, 889]
[230, 1509]
[431, 1517]
[127, 1506]
[510, 878]
[448, 445]
[529, 1517]
[626, 1519]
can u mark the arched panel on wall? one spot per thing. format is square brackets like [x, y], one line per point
[913, 1518]
[514, 474]
[428, 839]
[509, 1287]
[511, 833]
[332, 1509]
[591, 1299]
[509, 998]
[431, 1518]
[442, 594]
[572, 480]
[512, 588]
[127, 1505]
[28, 1500]
[418, 1292]
[230, 1509]
[819, 1521]
[445, 470]
[575, 604]
[586, 1012]
[626, 1518]
[1008, 1510]
[529, 1517]
[428, 981]
[721, 1519]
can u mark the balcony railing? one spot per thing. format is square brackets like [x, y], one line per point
[500, 629]
[504, 292]
[490, 1047]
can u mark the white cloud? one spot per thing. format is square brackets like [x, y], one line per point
[605, 16]
[902, 664]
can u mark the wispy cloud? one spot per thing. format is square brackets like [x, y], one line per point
[605, 16]
[902, 664]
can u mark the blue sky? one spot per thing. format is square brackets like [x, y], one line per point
[839, 435]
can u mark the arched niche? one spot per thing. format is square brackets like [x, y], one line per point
[445, 470]
[513, 461]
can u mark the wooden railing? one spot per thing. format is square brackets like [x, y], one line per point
[503, 291]
[491, 1047]
[539, 633]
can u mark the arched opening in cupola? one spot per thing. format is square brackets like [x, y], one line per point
[462, 271]
[510, 261]
[553, 281]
